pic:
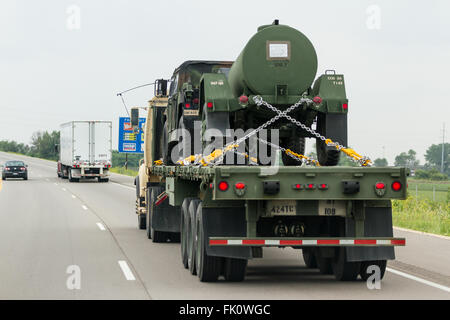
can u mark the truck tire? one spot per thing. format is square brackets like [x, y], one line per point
[365, 264]
[309, 258]
[296, 145]
[136, 183]
[148, 219]
[344, 270]
[324, 264]
[234, 270]
[64, 169]
[142, 223]
[184, 234]
[208, 267]
[325, 156]
[192, 231]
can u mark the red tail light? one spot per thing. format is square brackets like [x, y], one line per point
[223, 186]
[240, 185]
[323, 186]
[209, 104]
[317, 100]
[22, 168]
[396, 186]
[195, 101]
[187, 105]
[243, 99]
[310, 186]
[380, 185]
[345, 106]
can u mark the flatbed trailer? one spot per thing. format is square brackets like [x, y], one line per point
[339, 216]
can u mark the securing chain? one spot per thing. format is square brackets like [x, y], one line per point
[217, 156]
[352, 154]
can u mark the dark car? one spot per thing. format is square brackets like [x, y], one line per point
[15, 169]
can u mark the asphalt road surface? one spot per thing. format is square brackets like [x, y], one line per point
[61, 240]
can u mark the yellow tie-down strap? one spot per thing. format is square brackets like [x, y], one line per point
[364, 161]
[303, 157]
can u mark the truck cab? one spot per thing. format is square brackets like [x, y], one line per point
[184, 102]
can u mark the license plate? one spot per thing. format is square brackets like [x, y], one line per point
[332, 208]
[281, 208]
[190, 112]
[15, 173]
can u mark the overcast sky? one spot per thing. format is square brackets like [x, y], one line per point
[394, 56]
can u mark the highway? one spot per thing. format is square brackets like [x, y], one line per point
[48, 225]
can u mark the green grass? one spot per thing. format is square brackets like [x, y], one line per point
[422, 215]
[425, 189]
[122, 170]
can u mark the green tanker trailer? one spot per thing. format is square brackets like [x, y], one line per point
[278, 65]
[224, 215]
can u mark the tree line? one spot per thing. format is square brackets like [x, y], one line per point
[43, 146]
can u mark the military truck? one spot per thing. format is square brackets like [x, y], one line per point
[225, 211]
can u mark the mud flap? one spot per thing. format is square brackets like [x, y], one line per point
[165, 217]
[336, 128]
[377, 223]
[225, 222]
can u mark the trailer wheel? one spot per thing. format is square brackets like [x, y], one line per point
[148, 218]
[324, 264]
[309, 258]
[208, 267]
[234, 269]
[184, 231]
[192, 231]
[343, 269]
[365, 264]
[142, 222]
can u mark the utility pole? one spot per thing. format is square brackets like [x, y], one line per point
[443, 143]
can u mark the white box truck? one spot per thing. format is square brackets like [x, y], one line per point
[85, 150]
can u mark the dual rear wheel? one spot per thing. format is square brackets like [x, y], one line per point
[194, 254]
[340, 267]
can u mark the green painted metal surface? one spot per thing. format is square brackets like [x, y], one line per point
[277, 55]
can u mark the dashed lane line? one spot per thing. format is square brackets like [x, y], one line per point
[409, 276]
[101, 226]
[126, 270]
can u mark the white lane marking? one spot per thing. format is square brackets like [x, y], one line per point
[128, 187]
[423, 233]
[84, 207]
[429, 283]
[101, 226]
[126, 270]
[74, 197]
[63, 189]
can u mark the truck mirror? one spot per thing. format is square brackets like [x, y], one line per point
[161, 87]
[56, 148]
[134, 117]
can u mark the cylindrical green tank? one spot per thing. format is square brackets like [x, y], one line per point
[277, 55]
